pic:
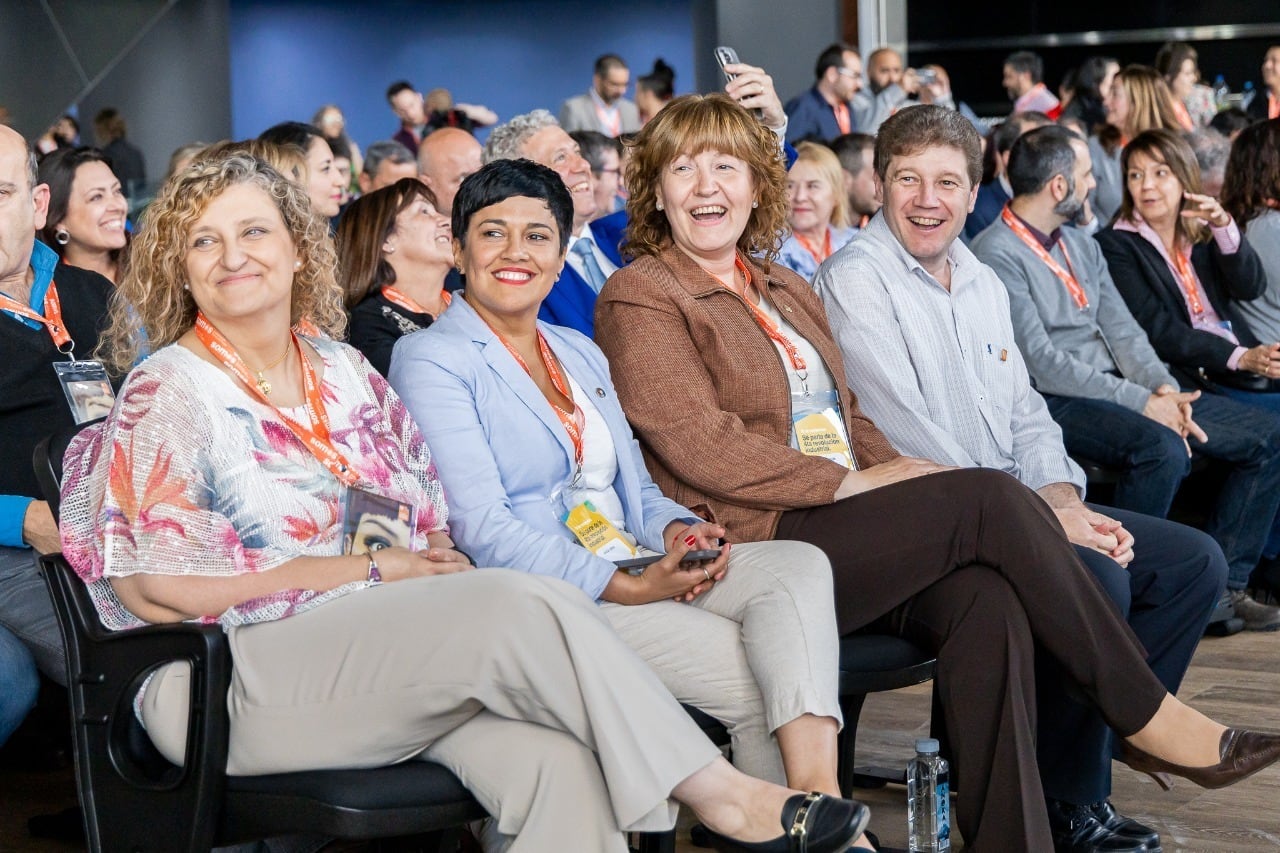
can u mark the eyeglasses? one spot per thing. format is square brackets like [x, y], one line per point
[850, 73]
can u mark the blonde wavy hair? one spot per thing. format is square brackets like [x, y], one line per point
[689, 125]
[150, 305]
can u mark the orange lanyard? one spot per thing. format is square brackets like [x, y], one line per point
[826, 247]
[51, 319]
[842, 117]
[575, 422]
[1187, 280]
[610, 119]
[402, 299]
[1067, 276]
[1273, 106]
[315, 436]
[1184, 117]
[306, 327]
[769, 327]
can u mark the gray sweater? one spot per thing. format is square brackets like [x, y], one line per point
[1072, 352]
[1263, 314]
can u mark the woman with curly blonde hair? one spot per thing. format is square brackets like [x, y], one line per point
[155, 296]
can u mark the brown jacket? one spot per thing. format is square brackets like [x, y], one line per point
[707, 392]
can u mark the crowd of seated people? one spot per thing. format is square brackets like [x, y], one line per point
[789, 340]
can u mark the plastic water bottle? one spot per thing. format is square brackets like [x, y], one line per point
[1248, 94]
[928, 800]
[1221, 91]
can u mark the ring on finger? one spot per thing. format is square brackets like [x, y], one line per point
[707, 573]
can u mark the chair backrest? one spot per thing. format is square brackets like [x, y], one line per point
[47, 460]
[118, 770]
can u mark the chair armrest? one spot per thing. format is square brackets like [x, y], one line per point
[105, 671]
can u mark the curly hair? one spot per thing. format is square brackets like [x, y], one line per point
[689, 125]
[362, 230]
[150, 305]
[1171, 148]
[1252, 182]
[506, 140]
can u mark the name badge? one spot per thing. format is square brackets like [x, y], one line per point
[371, 522]
[596, 533]
[87, 389]
[817, 427]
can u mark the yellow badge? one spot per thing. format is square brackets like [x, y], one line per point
[596, 533]
[819, 434]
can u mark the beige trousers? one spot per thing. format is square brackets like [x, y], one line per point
[756, 651]
[513, 681]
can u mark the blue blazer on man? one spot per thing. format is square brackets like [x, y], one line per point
[502, 454]
[809, 116]
[571, 301]
[986, 208]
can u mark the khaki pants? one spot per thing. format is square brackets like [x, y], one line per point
[515, 682]
[756, 651]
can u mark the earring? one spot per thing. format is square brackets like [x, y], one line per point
[186, 287]
[297, 265]
[61, 237]
[659, 205]
[755, 204]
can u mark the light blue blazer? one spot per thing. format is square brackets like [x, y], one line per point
[502, 454]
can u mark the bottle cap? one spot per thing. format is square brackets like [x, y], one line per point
[927, 746]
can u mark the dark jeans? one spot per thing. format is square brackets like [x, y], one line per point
[1153, 462]
[973, 566]
[1166, 595]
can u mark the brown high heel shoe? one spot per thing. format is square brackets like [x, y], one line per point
[1243, 753]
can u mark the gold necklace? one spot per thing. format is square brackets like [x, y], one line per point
[263, 385]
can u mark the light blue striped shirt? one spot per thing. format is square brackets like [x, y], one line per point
[939, 372]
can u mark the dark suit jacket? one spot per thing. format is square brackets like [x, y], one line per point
[1147, 286]
[809, 116]
[571, 301]
[991, 200]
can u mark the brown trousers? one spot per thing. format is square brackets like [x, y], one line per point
[975, 567]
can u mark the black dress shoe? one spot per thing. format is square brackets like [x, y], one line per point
[811, 823]
[1126, 826]
[1076, 829]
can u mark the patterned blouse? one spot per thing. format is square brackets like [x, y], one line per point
[190, 475]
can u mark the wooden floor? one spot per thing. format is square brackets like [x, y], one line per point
[1236, 680]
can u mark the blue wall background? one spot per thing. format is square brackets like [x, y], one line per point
[288, 57]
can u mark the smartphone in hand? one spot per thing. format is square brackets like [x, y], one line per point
[727, 56]
[635, 565]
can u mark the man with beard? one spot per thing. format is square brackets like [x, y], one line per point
[603, 107]
[1103, 383]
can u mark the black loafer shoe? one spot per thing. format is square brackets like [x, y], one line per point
[811, 823]
[1076, 829]
[1126, 826]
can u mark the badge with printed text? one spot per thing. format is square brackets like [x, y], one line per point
[596, 533]
[817, 428]
[87, 389]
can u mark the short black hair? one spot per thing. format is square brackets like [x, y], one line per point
[592, 144]
[1038, 155]
[831, 57]
[294, 133]
[398, 87]
[849, 147]
[1230, 120]
[607, 62]
[1025, 60]
[503, 179]
[1007, 132]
